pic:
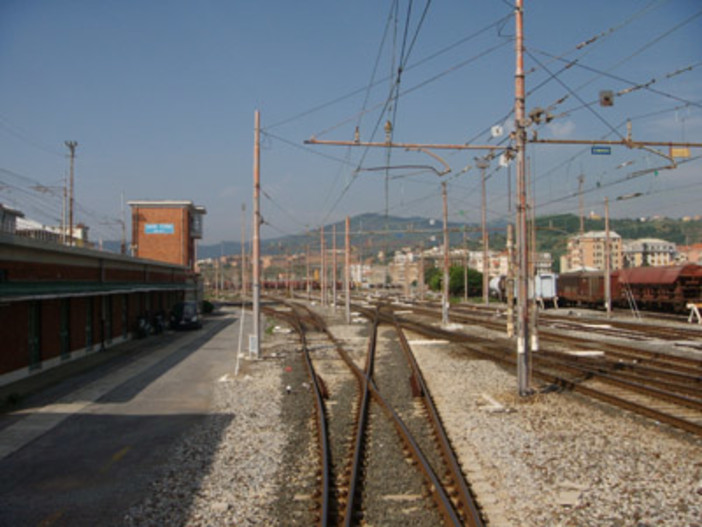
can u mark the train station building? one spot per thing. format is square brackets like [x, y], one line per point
[59, 303]
[167, 231]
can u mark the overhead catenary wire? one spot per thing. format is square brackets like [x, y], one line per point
[627, 178]
[598, 38]
[588, 43]
[282, 209]
[409, 67]
[25, 137]
[574, 94]
[41, 202]
[603, 35]
[422, 85]
[643, 48]
[633, 86]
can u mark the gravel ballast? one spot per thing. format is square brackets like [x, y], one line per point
[552, 459]
[559, 459]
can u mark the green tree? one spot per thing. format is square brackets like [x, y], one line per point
[434, 276]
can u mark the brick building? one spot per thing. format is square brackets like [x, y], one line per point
[60, 303]
[166, 231]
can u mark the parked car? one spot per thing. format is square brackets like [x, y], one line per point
[186, 315]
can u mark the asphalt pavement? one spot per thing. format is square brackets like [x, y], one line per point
[83, 446]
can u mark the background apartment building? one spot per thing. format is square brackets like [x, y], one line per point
[588, 250]
[649, 252]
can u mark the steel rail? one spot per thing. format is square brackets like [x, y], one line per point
[663, 379]
[471, 512]
[361, 423]
[552, 361]
[507, 360]
[670, 362]
[661, 332]
[441, 497]
[320, 412]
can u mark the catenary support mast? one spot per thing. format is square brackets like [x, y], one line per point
[523, 340]
[72, 148]
[257, 237]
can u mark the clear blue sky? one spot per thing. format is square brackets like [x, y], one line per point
[160, 97]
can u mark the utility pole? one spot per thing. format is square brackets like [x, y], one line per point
[123, 244]
[221, 268]
[421, 272]
[581, 206]
[608, 264]
[72, 147]
[445, 296]
[523, 340]
[307, 271]
[482, 164]
[534, 317]
[216, 278]
[243, 251]
[347, 270]
[465, 268]
[63, 210]
[334, 266]
[509, 286]
[256, 291]
[322, 269]
[289, 260]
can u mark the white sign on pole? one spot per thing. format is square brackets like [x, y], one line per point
[253, 345]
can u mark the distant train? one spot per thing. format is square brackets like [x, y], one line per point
[668, 288]
[299, 285]
[545, 285]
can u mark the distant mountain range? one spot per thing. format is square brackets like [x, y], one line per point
[383, 233]
[377, 232]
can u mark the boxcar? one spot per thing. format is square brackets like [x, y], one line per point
[581, 288]
[668, 288]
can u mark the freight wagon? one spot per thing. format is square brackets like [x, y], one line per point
[668, 288]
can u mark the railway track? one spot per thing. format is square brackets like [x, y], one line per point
[384, 457]
[662, 387]
[632, 330]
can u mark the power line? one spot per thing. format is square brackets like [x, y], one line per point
[596, 38]
[421, 85]
[643, 48]
[635, 85]
[420, 62]
[280, 208]
[574, 94]
[25, 137]
[306, 149]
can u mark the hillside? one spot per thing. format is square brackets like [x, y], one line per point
[376, 232]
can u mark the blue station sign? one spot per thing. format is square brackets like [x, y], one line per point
[601, 150]
[159, 228]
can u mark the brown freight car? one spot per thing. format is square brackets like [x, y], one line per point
[581, 288]
[668, 288]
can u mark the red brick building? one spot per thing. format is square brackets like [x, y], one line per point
[166, 231]
[60, 303]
